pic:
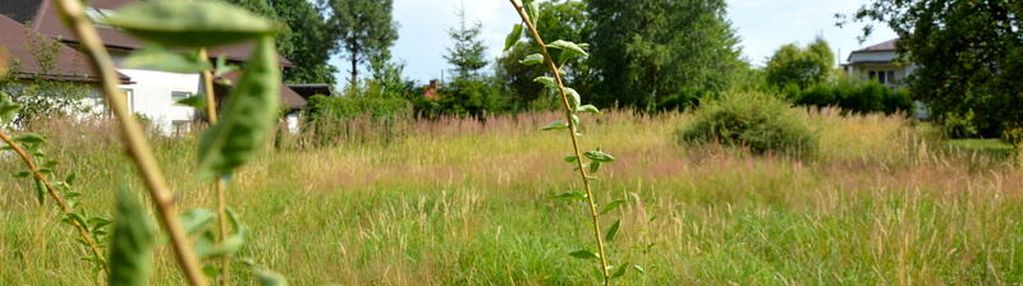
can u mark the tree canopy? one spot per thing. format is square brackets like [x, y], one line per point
[969, 56]
[365, 31]
[791, 65]
[646, 51]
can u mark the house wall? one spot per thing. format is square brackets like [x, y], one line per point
[151, 96]
[860, 65]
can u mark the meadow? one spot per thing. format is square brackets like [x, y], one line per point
[459, 202]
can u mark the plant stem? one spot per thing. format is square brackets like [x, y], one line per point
[219, 184]
[573, 130]
[137, 146]
[83, 231]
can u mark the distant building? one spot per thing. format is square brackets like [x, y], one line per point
[430, 92]
[151, 93]
[879, 62]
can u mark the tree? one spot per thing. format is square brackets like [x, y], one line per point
[364, 31]
[565, 20]
[467, 54]
[306, 42]
[969, 56]
[648, 51]
[469, 94]
[802, 68]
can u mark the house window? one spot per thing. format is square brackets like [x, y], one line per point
[882, 76]
[891, 77]
[179, 95]
[181, 127]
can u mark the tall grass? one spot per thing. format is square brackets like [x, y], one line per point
[462, 203]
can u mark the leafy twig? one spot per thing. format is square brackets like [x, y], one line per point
[137, 146]
[83, 230]
[570, 117]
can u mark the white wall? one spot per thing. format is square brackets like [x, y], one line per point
[151, 96]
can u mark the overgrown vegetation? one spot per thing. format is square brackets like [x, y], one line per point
[760, 122]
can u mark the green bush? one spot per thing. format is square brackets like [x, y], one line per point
[853, 96]
[335, 120]
[760, 122]
[960, 126]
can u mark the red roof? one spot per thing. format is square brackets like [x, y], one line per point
[69, 64]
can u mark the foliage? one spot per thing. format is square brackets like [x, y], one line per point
[559, 20]
[587, 163]
[760, 122]
[131, 251]
[364, 31]
[960, 126]
[477, 98]
[347, 107]
[468, 53]
[647, 50]
[969, 54]
[854, 96]
[791, 65]
[333, 120]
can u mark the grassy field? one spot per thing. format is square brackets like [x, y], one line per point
[459, 203]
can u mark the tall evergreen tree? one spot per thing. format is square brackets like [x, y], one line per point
[467, 54]
[649, 51]
[364, 30]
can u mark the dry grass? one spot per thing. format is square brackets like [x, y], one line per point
[465, 203]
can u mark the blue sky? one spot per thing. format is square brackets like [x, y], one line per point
[763, 25]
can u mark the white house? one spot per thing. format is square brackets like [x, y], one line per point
[150, 93]
[879, 62]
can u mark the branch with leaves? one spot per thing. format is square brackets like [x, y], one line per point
[249, 116]
[588, 162]
[28, 146]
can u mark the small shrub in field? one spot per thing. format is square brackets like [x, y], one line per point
[959, 126]
[760, 122]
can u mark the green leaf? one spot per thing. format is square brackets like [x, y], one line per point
[532, 59]
[98, 223]
[223, 67]
[7, 108]
[594, 167]
[533, 10]
[574, 97]
[588, 109]
[190, 23]
[131, 250]
[70, 179]
[639, 268]
[155, 58]
[571, 159]
[50, 164]
[555, 125]
[612, 206]
[198, 102]
[266, 277]
[612, 232]
[513, 37]
[599, 156]
[22, 174]
[620, 270]
[29, 138]
[40, 191]
[229, 245]
[572, 196]
[249, 115]
[568, 48]
[547, 81]
[584, 254]
[195, 220]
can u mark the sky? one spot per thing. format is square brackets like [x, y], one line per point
[762, 25]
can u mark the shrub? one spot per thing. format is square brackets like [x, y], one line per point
[355, 118]
[760, 122]
[854, 96]
[960, 126]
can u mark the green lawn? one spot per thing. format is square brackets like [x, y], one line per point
[458, 203]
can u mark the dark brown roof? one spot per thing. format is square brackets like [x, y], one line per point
[289, 98]
[886, 46]
[46, 20]
[69, 64]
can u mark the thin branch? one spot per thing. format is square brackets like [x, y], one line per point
[83, 231]
[219, 185]
[573, 130]
[137, 146]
